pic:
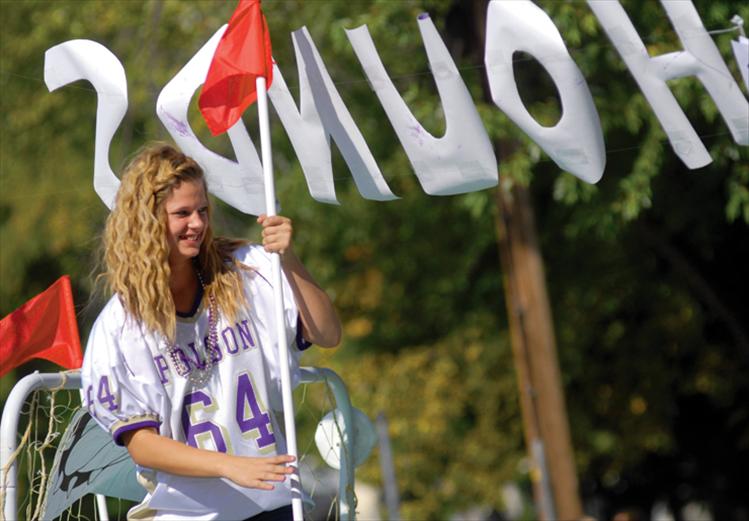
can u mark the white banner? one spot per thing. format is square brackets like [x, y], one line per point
[463, 159]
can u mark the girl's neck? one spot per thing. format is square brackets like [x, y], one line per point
[183, 284]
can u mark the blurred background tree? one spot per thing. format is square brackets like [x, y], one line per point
[646, 269]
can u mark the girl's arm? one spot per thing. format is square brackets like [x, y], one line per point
[150, 449]
[320, 322]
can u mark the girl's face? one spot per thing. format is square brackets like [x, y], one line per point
[187, 221]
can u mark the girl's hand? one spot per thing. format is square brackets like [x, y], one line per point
[277, 233]
[256, 472]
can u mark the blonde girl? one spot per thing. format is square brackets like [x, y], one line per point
[180, 365]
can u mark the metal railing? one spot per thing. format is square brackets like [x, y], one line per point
[71, 380]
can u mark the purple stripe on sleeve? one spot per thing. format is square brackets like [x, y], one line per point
[117, 435]
[301, 342]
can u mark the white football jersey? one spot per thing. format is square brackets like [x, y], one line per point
[130, 382]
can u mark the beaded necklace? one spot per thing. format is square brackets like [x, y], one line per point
[199, 375]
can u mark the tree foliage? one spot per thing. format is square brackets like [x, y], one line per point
[645, 269]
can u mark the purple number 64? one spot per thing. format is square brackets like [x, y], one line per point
[253, 421]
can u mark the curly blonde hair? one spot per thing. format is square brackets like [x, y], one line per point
[135, 246]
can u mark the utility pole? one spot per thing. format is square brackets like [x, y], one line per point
[543, 408]
[542, 402]
[544, 412]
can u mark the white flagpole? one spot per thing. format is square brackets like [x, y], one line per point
[283, 346]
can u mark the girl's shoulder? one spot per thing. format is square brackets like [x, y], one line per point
[251, 255]
[256, 266]
[113, 320]
[113, 312]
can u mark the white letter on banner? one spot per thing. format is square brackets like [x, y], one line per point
[575, 143]
[87, 60]
[338, 122]
[238, 184]
[306, 132]
[701, 58]
[463, 159]
[741, 53]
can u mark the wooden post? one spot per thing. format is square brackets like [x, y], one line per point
[534, 349]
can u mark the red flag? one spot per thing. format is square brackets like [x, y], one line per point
[242, 55]
[44, 327]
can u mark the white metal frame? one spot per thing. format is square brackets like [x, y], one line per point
[72, 380]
